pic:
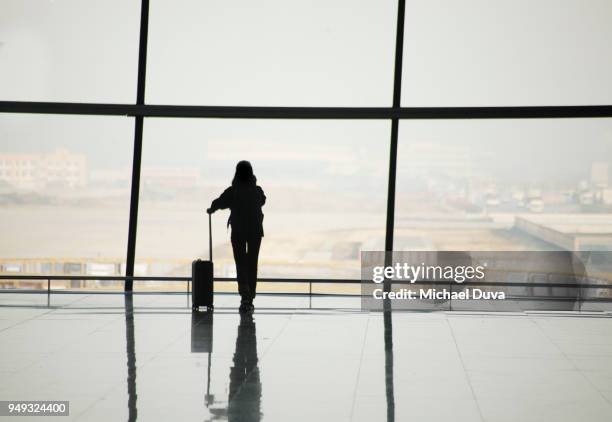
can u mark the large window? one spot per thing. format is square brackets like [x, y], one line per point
[324, 181]
[501, 185]
[271, 52]
[69, 50]
[507, 52]
[64, 194]
[308, 92]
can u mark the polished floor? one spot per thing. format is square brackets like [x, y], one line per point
[299, 359]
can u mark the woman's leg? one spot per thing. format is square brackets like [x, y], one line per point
[252, 257]
[240, 258]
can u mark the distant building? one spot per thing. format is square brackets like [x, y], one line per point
[572, 232]
[38, 171]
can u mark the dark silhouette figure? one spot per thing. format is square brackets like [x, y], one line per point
[244, 398]
[244, 198]
[244, 401]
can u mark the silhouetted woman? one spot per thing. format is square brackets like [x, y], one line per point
[245, 199]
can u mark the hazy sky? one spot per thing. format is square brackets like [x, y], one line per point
[507, 52]
[317, 52]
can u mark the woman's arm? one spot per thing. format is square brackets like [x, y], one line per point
[263, 196]
[222, 202]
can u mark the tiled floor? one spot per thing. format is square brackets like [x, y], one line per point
[301, 360]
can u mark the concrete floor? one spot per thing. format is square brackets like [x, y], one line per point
[300, 360]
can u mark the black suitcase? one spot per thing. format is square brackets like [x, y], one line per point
[202, 278]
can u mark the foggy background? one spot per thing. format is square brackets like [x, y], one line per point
[460, 184]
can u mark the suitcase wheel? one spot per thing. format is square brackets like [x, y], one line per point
[210, 308]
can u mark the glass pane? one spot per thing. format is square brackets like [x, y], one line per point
[501, 185]
[64, 194]
[507, 52]
[69, 50]
[325, 183]
[272, 52]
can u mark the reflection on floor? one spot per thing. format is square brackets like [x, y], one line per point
[149, 358]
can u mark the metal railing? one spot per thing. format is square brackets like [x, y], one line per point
[186, 280]
[605, 284]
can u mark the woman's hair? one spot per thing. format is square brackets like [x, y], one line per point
[244, 174]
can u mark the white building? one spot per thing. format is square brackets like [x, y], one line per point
[38, 171]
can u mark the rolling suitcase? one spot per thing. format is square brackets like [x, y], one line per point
[202, 278]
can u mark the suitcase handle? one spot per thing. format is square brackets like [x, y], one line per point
[210, 236]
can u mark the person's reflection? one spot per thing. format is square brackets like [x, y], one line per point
[244, 401]
[131, 357]
[244, 398]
